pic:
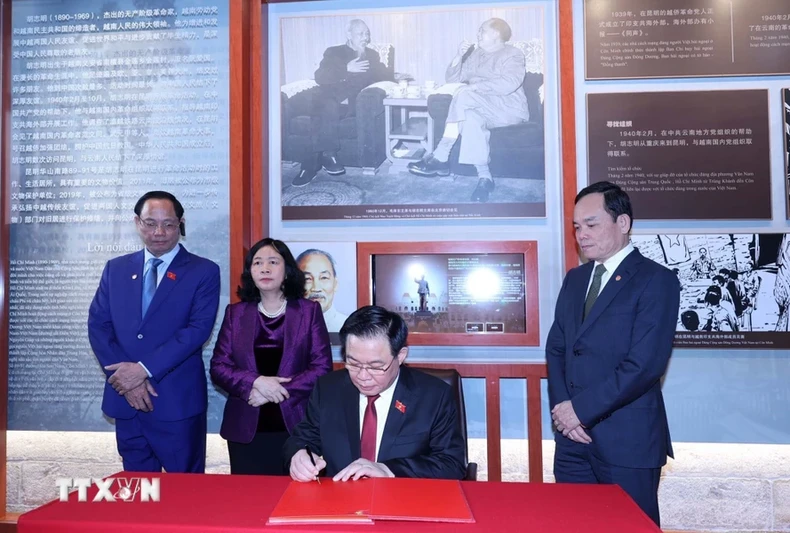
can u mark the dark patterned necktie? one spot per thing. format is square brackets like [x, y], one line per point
[595, 288]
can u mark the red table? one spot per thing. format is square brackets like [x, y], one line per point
[212, 503]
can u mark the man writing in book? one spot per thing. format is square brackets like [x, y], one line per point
[377, 418]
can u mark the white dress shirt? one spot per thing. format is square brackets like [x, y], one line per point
[382, 404]
[162, 268]
[334, 319]
[611, 265]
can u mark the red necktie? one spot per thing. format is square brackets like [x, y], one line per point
[367, 444]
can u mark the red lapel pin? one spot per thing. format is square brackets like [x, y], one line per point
[171, 275]
[618, 278]
[400, 407]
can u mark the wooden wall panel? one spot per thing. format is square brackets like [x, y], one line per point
[258, 17]
[239, 126]
[568, 131]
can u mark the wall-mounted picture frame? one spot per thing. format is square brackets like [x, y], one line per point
[684, 155]
[455, 293]
[376, 92]
[658, 39]
[330, 270]
[734, 287]
[786, 131]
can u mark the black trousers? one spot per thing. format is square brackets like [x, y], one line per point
[574, 463]
[262, 457]
[328, 111]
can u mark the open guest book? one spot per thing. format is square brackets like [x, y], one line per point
[369, 499]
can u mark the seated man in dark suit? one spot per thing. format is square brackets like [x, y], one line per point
[344, 71]
[377, 418]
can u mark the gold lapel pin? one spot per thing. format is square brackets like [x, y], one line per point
[134, 276]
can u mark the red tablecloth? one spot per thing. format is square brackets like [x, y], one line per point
[212, 503]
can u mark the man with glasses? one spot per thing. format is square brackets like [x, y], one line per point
[377, 418]
[151, 315]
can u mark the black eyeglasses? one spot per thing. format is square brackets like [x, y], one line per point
[372, 370]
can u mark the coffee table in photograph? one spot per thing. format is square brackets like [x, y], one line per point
[408, 129]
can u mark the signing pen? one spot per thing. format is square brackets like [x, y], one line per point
[312, 460]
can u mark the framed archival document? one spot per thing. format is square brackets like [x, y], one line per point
[455, 293]
[685, 38]
[164, 124]
[684, 155]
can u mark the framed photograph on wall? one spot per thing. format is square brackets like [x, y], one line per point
[455, 293]
[786, 122]
[734, 288]
[330, 270]
[381, 116]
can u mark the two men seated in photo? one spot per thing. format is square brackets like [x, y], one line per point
[489, 73]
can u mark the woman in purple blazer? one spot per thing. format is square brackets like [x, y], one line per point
[271, 349]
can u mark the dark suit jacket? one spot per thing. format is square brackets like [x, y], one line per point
[333, 70]
[168, 341]
[610, 366]
[306, 356]
[423, 441]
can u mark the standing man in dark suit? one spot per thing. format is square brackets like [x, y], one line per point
[151, 315]
[344, 71]
[607, 350]
[377, 418]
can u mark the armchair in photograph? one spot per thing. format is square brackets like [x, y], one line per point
[362, 139]
[516, 151]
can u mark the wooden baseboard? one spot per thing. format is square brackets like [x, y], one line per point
[8, 523]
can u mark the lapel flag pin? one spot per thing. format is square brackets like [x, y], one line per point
[171, 275]
[618, 278]
[134, 276]
[400, 407]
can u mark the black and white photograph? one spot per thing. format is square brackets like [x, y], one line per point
[330, 270]
[786, 115]
[420, 113]
[734, 288]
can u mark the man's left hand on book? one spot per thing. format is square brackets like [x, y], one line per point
[363, 468]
